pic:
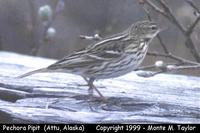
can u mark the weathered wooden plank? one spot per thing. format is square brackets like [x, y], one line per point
[165, 98]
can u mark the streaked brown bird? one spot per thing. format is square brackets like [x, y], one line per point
[110, 57]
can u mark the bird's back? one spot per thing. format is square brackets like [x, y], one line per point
[110, 57]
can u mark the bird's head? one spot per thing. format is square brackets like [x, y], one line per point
[144, 29]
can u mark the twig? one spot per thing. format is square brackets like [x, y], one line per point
[146, 11]
[191, 28]
[34, 34]
[167, 53]
[145, 67]
[191, 3]
[43, 39]
[162, 44]
[156, 8]
[147, 74]
[187, 67]
[177, 58]
[189, 43]
[158, 36]
[169, 15]
[181, 61]
[96, 37]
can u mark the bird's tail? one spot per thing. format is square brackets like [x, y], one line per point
[33, 72]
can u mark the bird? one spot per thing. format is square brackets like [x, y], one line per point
[109, 57]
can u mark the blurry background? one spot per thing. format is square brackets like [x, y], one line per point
[20, 28]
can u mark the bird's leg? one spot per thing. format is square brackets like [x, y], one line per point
[87, 80]
[90, 90]
[92, 87]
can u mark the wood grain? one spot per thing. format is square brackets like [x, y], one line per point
[165, 98]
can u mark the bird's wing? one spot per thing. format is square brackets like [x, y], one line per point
[105, 42]
[113, 48]
[85, 58]
[104, 50]
[69, 61]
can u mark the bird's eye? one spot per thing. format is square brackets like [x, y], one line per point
[154, 27]
[136, 26]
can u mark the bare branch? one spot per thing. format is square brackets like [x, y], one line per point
[188, 67]
[145, 10]
[162, 44]
[171, 56]
[145, 67]
[189, 43]
[191, 28]
[43, 39]
[158, 36]
[34, 34]
[96, 37]
[148, 74]
[192, 4]
[169, 15]
[166, 67]
[156, 8]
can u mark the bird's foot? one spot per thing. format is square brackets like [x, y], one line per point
[92, 87]
[91, 92]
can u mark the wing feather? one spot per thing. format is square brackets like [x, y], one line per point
[110, 48]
